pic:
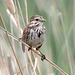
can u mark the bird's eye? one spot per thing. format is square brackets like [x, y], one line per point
[37, 19]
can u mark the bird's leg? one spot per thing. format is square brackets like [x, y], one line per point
[30, 48]
[42, 56]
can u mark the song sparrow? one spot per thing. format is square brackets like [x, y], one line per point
[34, 34]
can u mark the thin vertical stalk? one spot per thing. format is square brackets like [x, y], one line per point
[67, 44]
[9, 52]
[17, 18]
[11, 26]
[26, 13]
[3, 61]
[10, 43]
[10, 66]
[37, 65]
[21, 12]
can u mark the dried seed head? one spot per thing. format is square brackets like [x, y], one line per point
[10, 6]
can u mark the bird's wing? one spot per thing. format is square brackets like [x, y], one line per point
[25, 37]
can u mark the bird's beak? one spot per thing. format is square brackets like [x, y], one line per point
[43, 20]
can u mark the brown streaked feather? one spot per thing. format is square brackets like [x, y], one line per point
[34, 33]
[23, 46]
[26, 32]
[32, 25]
[25, 37]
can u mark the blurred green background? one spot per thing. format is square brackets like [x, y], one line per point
[59, 45]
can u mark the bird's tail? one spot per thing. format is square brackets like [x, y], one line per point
[23, 47]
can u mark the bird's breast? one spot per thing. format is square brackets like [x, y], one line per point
[36, 36]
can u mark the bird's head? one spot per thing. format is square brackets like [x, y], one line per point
[37, 18]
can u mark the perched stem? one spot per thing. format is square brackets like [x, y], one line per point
[10, 43]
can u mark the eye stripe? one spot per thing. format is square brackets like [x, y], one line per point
[36, 24]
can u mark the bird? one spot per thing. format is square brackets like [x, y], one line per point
[34, 34]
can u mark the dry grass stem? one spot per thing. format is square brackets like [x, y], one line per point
[26, 64]
[8, 50]
[10, 43]
[10, 6]
[10, 66]
[21, 12]
[32, 67]
[18, 24]
[3, 61]
[13, 44]
[67, 44]
[17, 19]
[11, 26]
[22, 70]
[26, 13]
[38, 69]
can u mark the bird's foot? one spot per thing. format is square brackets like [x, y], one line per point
[30, 48]
[43, 57]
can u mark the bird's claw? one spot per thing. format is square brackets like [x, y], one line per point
[43, 57]
[30, 48]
